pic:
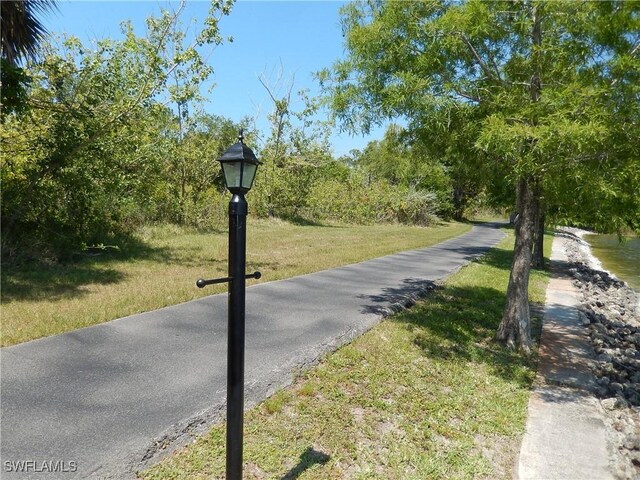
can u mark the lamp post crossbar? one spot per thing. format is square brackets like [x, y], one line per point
[203, 283]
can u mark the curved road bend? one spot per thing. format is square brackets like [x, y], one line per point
[94, 402]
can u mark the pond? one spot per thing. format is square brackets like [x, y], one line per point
[620, 258]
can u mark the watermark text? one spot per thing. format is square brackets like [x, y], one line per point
[40, 466]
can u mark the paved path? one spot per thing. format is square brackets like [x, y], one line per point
[101, 399]
[565, 436]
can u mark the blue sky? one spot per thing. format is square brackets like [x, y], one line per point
[286, 39]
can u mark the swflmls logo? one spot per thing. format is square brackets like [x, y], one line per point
[45, 466]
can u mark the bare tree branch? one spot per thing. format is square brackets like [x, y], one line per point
[483, 65]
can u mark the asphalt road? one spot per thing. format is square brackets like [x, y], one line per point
[104, 401]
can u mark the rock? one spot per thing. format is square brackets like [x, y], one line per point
[613, 311]
[607, 369]
[634, 363]
[632, 397]
[604, 357]
[616, 387]
[632, 442]
[621, 403]
[608, 403]
[598, 327]
[622, 375]
[634, 455]
[613, 403]
[603, 381]
[622, 471]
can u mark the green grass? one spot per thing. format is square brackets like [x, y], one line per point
[161, 266]
[425, 394]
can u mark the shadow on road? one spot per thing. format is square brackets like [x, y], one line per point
[392, 299]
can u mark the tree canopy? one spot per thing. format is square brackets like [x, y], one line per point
[545, 93]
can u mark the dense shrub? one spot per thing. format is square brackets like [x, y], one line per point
[358, 200]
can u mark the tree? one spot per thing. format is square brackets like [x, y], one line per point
[410, 166]
[296, 147]
[81, 162]
[20, 29]
[192, 175]
[545, 83]
[196, 137]
[20, 34]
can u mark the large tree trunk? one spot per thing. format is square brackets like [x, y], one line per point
[537, 260]
[459, 202]
[515, 327]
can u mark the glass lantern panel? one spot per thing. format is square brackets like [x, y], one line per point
[232, 173]
[249, 174]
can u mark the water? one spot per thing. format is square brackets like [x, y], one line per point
[622, 259]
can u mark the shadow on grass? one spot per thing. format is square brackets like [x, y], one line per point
[501, 259]
[497, 258]
[35, 281]
[459, 323]
[405, 295]
[55, 282]
[308, 459]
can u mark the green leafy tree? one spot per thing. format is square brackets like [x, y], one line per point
[294, 151]
[20, 34]
[191, 162]
[192, 176]
[409, 165]
[79, 164]
[546, 86]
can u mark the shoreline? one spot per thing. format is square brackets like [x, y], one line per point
[590, 259]
[610, 310]
[593, 261]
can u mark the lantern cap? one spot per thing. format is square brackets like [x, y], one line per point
[239, 152]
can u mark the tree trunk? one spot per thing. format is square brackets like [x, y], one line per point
[537, 260]
[515, 329]
[459, 202]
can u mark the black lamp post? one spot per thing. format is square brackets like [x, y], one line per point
[239, 165]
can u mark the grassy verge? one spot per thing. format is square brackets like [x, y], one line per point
[425, 394]
[161, 268]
